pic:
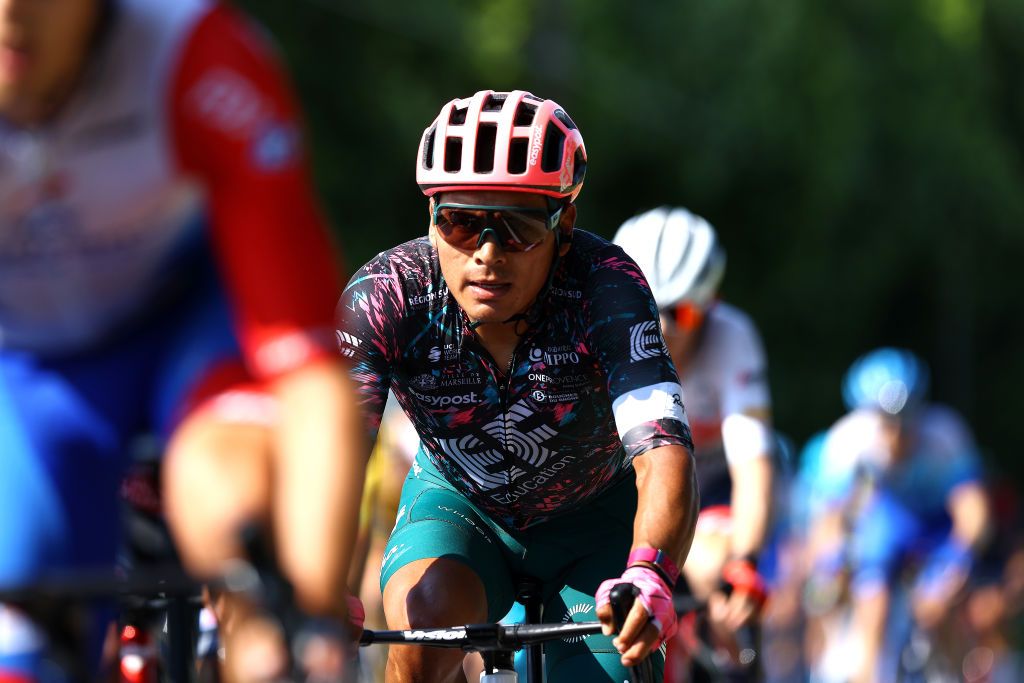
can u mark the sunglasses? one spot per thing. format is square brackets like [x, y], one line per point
[685, 316]
[517, 228]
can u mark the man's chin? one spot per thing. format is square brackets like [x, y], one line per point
[482, 313]
[489, 317]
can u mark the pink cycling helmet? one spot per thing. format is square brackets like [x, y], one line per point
[502, 140]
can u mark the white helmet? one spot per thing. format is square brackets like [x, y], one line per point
[678, 253]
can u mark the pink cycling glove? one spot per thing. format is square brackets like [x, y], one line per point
[655, 595]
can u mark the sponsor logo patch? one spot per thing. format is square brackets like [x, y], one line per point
[446, 401]
[227, 101]
[422, 299]
[424, 382]
[489, 456]
[554, 355]
[276, 147]
[347, 344]
[645, 341]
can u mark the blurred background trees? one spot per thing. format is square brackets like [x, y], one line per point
[863, 160]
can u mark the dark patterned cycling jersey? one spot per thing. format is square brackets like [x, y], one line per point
[590, 386]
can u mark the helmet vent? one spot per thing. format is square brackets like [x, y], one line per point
[494, 102]
[579, 167]
[554, 141]
[453, 155]
[524, 114]
[458, 116]
[483, 157]
[428, 147]
[517, 155]
[564, 118]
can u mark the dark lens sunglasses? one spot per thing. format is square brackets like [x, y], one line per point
[517, 228]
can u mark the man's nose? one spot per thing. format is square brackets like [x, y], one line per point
[488, 246]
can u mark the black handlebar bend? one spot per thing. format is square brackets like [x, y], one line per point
[621, 598]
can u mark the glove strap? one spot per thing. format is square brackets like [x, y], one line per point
[658, 560]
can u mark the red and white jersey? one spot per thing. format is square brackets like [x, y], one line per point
[726, 387]
[182, 123]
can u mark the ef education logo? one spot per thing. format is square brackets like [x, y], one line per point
[645, 341]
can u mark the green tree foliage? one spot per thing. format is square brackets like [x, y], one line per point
[862, 159]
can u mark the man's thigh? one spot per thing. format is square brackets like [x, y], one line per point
[435, 522]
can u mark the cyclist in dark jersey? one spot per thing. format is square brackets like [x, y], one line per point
[529, 357]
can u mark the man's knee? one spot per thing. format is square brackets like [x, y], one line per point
[434, 592]
[427, 593]
[216, 478]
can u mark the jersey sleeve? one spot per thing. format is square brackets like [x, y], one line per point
[647, 400]
[957, 459]
[235, 126]
[367, 319]
[744, 368]
[745, 399]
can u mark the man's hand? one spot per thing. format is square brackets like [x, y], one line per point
[729, 613]
[746, 594]
[651, 621]
[940, 582]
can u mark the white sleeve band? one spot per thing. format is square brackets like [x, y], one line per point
[662, 401]
[745, 438]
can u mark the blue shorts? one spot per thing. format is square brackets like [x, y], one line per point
[65, 423]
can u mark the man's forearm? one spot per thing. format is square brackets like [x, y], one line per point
[751, 506]
[321, 464]
[667, 501]
[969, 509]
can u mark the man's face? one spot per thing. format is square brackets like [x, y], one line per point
[681, 337]
[490, 283]
[42, 47]
[896, 435]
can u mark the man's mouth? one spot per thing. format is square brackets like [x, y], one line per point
[14, 60]
[488, 288]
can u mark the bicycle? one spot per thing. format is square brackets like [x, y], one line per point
[497, 643]
[705, 664]
[56, 604]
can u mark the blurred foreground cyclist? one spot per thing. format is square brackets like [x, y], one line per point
[528, 356]
[163, 266]
[898, 480]
[718, 353]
